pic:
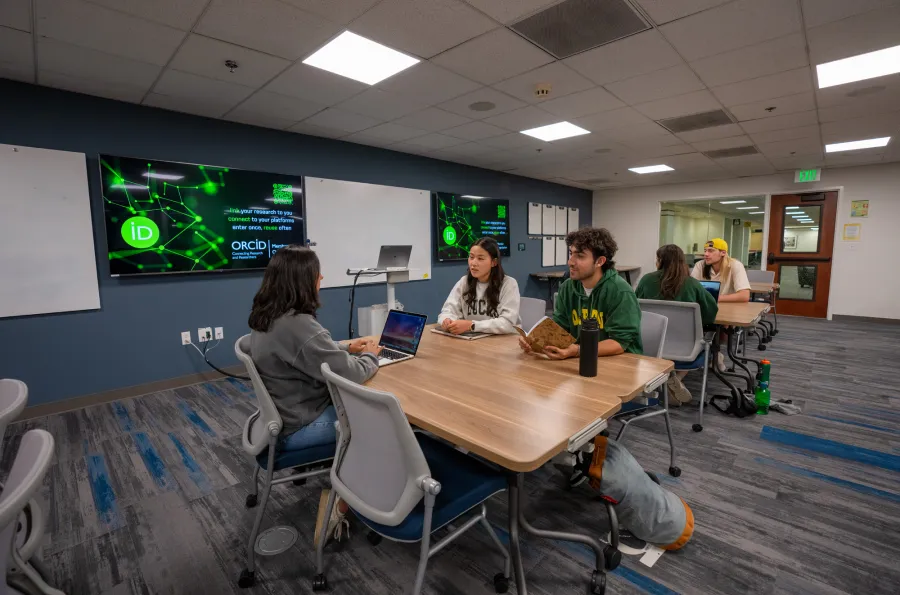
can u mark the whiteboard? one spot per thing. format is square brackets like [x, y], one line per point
[47, 261]
[562, 221]
[548, 252]
[562, 251]
[348, 222]
[534, 218]
[573, 219]
[549, 220]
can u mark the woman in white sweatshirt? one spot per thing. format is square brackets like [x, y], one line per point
[486, 300]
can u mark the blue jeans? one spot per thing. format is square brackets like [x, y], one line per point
[319, 432]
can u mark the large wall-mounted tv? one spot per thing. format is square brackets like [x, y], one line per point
[165, 217]
[460, 220]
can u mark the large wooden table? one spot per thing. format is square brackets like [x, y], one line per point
[515, 410]
[740, 314]
[763, 287]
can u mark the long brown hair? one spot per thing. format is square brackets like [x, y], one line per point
[674, 270]
[495, 281]
[288, 287]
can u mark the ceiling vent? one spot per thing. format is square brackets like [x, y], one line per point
[696, 121]
[732, 152]
[574, 26]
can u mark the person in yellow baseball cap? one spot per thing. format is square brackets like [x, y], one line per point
[730, 272]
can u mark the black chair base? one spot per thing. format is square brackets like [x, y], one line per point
[247, 579]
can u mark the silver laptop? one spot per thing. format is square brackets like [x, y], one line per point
[401, 337]
[394, 258]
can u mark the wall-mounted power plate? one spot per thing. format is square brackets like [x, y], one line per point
[204, 334]
[186, 338]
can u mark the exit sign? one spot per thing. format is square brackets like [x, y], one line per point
[807, 175]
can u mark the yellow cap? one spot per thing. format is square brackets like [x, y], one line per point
[718, 244]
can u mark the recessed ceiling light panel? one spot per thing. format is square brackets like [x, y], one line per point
[650, 169]
[857, 144]
[556, 131]
[360, 59]
[859, 68]
[731, 202]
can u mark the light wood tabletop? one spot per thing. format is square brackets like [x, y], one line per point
[764, 287]
[743, 314]
[515, 410]
[548, 275]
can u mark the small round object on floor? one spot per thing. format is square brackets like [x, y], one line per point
[251, 501]
[247, 579]
[762, 347]
[598, 583]
[275, 540]
[501, 583]
[373, 537]
[675, 471]
[697, 428]
[611, 558]
[319, 582]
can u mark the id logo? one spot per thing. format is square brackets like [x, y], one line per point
[140, 232]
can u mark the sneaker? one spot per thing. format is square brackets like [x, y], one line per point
[720, 362]
[338, 525]
[678, 393]
[582, 465]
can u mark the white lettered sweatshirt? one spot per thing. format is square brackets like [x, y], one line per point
[455, 308]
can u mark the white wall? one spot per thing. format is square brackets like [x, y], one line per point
[861, 285]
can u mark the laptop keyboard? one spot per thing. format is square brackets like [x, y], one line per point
[391, 354]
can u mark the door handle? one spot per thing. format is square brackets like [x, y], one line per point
[771, 259]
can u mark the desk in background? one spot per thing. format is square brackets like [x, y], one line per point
[550, 277]
[626, 269]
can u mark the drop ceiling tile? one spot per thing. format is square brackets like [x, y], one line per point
[790, 82]
[795, 120]
[267, 26]
[747, 165]
[433, 140]
[787, 148]
[583, 103]
[800, 102]
[627, 134]
[313, 130]
[513, 141]
[257, 119]
[626, 58]
[179, 14]
[849, 112]
[16, 55]
[428, 84]
[715, 132]
[341, 11]
[84, 70]
[773, 136]
[778, 55]
[206, 57]
[189, 92]
[861, 128]
[798, 162]
[340, 119]
[476, 131]
[16, 14]
[394, 132]
[625, 116]
[676, 80]
[492, 57]
[649, 152]
[523, 119]
[106, 30]
[681, 105]
[380, 104]
[502, 102]
[731, 26]
[508, 11]
[722, 143]
[364, 138]
[279, 106]
[848, 159]
[656, 141]
[468, 150]
[188, 105]
[859, 34]
[422, 27]
[560, 77]
[432, 119]
[315, 84]
[663, 11]
[820, 12]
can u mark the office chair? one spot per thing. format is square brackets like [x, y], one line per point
[403, 485]
[531, 310]
[260, 442]
[757, 276]
[13, 398]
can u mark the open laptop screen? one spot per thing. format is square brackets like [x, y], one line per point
[403, 331]
[712, 287]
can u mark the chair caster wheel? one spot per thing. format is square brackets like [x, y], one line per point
[675, 471]
[319, 583]
[697, 428]
[300, 482]
[611, 558]
[501, 583]
[247, 579]
[598, 584]
[373, 537]
[251, 501]
[762, 347]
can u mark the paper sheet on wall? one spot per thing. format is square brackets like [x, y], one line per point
[548, 251]
[573, 219]
[562, 251]
[549, 220]
[562, 221]
[534, 218]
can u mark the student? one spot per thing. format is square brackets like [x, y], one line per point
[671, 282]
[594, 289]
[485, 300]
[288, 347]
[730, 272]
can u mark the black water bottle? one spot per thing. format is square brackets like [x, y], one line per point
[588, 340]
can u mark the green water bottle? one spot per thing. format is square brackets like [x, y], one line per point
[763, 397]
[765, 370]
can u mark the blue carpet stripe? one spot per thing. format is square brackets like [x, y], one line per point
[844, 483]
[241, 386]
[195, 419]
[857, 424]
[153, 462]
[831, 447]
[122, 416]
[215, 390]
[101, 488]
[194, 471]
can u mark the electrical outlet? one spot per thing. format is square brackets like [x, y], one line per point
[186, 338]
[220, 333]
[204, 334]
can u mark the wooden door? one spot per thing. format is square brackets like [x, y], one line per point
[801, 243]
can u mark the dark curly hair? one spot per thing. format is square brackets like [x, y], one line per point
[598, 240]
[288, 287]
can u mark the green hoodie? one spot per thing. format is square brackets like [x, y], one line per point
[612, 302]
[691, 291]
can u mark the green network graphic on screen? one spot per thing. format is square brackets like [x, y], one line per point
[164, 217]
[460, 221]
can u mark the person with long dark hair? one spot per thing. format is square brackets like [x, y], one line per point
[288, 346]
[485, 300]
[672, 282]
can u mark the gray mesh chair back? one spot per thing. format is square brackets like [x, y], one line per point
[758, 276]
[684, 332]
[13, 398]
[379, 465]
[531, 310]
[266, 421]
[653, 333]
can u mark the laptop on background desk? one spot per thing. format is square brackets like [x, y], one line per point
[394, 258]
[401, 337]
[712, 287]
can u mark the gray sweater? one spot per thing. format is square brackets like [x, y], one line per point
[289, 357]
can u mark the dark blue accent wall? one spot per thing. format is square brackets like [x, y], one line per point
[135, 337]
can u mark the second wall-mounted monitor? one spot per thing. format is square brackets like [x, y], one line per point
[461, 220]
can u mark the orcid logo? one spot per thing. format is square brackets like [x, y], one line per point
[449, 235]
[140, 232]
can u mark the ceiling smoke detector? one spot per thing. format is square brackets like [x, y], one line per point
[482, 106]
[231, 65]
[542, 90]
